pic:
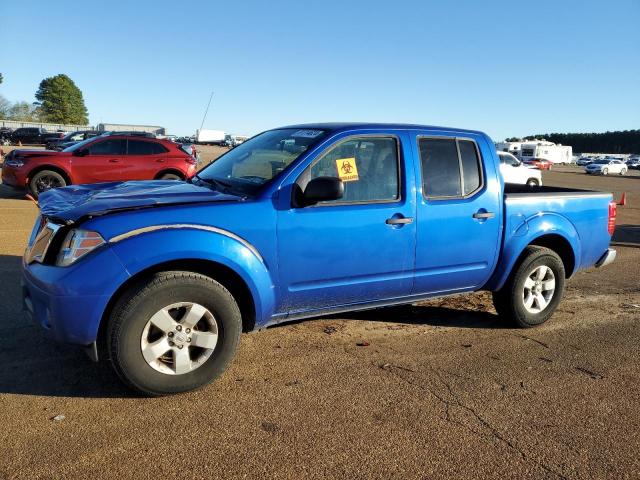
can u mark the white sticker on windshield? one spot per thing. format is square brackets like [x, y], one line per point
[306, 134]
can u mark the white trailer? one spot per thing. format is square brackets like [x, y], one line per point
[511, 147]
[212, 137]
[547, 150]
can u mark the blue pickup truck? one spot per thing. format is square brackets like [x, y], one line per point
[162, 277]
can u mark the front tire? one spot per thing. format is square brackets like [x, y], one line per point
[533, 290]
[174, 332]
[45, 180]
[623, 171]
[605, 171]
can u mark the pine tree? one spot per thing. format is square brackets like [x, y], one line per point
[60, 101]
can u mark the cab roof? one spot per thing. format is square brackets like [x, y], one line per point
[350, 126]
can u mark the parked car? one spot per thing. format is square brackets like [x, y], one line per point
[5, 135]
[582, 161]
[539, 163]
[633, 163]
[71, 138]
[28, 136]
[98, 159]
[514, 171]
[606, 166]
[284, 227]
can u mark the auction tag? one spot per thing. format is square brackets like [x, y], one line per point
[347, 169]
[307, 133]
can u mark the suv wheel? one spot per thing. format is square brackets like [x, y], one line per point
[45, 180]
[174, 332]
[532, 183]
[534, 289]
[170, 176]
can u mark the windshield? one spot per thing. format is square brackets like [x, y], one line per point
[257, 161]
[78, 145]
[601, 162]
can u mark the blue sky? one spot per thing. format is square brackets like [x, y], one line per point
[505, 67]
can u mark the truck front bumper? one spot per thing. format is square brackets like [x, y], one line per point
[69, 302]
[608, 257]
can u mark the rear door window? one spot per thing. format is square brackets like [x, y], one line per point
[140, 147]
[440, 167]
[450, 167]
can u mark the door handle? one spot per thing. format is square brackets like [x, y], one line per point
[399, 220]
[113, 160]
[484, 215]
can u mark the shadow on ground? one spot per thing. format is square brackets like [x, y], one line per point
[33, 364]
[11, 193]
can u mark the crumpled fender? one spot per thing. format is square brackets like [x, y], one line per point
[518, 235]
[143, 248]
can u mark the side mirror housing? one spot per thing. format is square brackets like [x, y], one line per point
[322, 189]
[81, 153]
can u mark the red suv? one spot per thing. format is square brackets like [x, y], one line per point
[100, 159]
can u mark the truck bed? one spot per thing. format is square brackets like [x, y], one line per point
[581, 214]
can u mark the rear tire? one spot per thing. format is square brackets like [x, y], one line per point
[532, 183]
[623, 171]
[533, 290]
[45, 180]
[162, 319]
[605, 171]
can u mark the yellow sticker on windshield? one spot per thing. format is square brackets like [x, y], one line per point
[347, 169]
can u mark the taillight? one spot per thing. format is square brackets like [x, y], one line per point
[613, 211]
[191, 160]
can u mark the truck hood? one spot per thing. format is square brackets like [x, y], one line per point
[69, 204]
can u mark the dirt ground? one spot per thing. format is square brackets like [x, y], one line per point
[444, 389]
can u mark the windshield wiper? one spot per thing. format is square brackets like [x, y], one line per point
[224, 187]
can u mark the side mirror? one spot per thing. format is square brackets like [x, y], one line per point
[322, 189]
[81, 153]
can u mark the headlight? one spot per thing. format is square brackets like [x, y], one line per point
[77, 244]
[14, 162]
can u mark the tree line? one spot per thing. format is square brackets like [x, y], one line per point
[625, 141]
[59, 100]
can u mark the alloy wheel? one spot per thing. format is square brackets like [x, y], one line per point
[179, 338]
[538, 289]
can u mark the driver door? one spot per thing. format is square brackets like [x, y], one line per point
[356, 249]
[105, 161]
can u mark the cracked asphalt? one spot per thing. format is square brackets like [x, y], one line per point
[444, 389]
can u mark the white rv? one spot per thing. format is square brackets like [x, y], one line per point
[547, 150]
[511, 147]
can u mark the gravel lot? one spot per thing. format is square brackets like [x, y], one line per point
[444, 390]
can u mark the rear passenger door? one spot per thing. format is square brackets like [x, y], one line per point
[145, 159]
[458, 213]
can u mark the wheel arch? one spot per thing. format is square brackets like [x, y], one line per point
[174, 171]
[219, 272]
[550, 230]
[54, 168]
